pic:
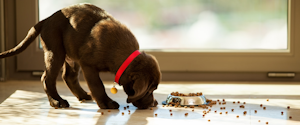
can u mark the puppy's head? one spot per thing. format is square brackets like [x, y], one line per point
[140, 80]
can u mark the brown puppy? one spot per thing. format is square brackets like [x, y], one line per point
[86, 36]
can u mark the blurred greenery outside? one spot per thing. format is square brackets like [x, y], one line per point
[196, 24]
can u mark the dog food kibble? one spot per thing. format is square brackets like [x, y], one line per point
[245, 112]
[192, 110]
[267, 99]
[255, 111]
[216, 111]
[242, 106]
[203, 115]
[290, 117]
[128, 110]
[232, 110]
[258, 120]
[238, 102]
[171, 114]
[281, 113]
[220, 103]
[218, 100]
[221, 108]
[261, 105]
[208, 120]
[155, 115]
[226, 112]
[170, 110]
[267, 122]
[151, 108]
[127, 106]
[233, 102]
[186, 114]
[124, 108]
[264, 108]
[102, 113]
[288, 107]
[108, 110]
[220, 113]
[237, 116]
[83, 100]
[122, 113]
[244, 103]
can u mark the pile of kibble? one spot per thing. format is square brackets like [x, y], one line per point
[190, 94]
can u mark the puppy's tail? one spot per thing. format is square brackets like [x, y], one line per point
[32, 34]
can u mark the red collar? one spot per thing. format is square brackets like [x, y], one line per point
[125, 65]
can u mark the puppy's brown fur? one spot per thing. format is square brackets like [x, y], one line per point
[86, 36]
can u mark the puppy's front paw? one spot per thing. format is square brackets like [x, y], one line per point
[59, 103]
[109, 105]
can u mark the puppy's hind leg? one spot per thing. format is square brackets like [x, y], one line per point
[54, 62]
[70, 76]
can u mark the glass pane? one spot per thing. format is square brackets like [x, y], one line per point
[196, 24]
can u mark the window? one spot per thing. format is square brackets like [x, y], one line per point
[196, 25]
[285, 58]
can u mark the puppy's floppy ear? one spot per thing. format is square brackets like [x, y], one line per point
[140, 88]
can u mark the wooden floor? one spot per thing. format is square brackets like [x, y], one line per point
[24, 102]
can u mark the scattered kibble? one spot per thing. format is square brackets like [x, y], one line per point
[238, 102]
[124, 108]
[192, 110]
[123, 113]
[151, 108]
[267, 99]
[281, 113]
[233, 102]
[255, 111]
[127, 106]
[221, 108]
[108, 110]
[216, 111]
[223, 100]
[244, 103]
[226, 112]
[208, 120]
[290, 117]
[232, 110]
[102, 113]
[155, 115]
[267, 122]
[245, 112]
[237, 116]
[288, 107]
[261, 105]
[264, 108]
[258, 120]
[186, 114]
[242, 106]
[171, 114]
[170, 110]
[220, 113]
